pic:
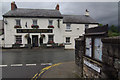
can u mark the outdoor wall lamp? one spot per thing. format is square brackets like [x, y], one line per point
[5, 21]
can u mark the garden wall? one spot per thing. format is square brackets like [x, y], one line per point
[110, 65]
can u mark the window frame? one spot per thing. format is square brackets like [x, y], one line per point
[50, 22]
[18, 39]
[50, 39]
[67, 41]
[34, 23]
[18, 22]
[68, 26]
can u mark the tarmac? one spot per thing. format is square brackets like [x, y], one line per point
[59, 70]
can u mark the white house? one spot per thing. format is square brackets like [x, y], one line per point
[1, 34]
[43, 26]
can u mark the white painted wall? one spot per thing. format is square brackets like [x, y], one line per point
[43, 23]
[1, 41]
[59, 33]
[93, 25]
[77, 30]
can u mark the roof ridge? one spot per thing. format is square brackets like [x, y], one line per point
[71, 15]
[36, 9]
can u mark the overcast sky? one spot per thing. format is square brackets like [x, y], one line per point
[103, 12]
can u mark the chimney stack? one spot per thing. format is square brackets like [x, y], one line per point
[57, 7]
[13, 6]
[87, 13]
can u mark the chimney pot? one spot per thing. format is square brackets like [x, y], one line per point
[13, 6]
[57, 7]
[87, 13]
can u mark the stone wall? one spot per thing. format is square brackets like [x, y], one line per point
[79, 51]
[110, 65]
[111, 58]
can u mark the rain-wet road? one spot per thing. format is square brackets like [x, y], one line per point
[24, 63]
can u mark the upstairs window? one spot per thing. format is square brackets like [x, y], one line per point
[34, 22]
[86, 26]
[68, 26]
[18, 22]
[50, 22]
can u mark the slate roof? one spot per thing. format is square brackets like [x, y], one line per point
[78, 19]
[20, 12]
[49, 13]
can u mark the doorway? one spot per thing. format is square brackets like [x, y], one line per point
[35, 40]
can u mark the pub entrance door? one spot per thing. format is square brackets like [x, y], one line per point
[35, 40]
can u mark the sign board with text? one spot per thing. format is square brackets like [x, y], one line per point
[34, 30]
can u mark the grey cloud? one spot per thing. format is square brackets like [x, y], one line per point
[103, 12]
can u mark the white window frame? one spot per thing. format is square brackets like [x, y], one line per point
[34, 21]
[50, 39]
[18, 39]
[67, 41]
[68, 26]
[50, 22]
[18, 23]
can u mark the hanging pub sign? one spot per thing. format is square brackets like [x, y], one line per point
[34, 30]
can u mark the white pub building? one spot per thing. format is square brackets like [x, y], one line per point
[43, 27]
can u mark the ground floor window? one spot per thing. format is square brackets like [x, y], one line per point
[50, 38]
[67, 39]
[18, 39]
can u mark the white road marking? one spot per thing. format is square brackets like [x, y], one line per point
[16, 64]
[46, 64]
[3, 65]
[30, 64]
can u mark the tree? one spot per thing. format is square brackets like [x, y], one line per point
[100, 24]
[113, 31]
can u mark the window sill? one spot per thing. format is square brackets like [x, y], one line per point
[68, 30]
[68, 43]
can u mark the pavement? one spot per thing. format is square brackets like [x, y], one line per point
[59, 70]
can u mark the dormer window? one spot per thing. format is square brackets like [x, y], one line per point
[50, 22]
[18, 22]
[34, 22]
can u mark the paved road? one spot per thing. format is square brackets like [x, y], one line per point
[24, 63]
